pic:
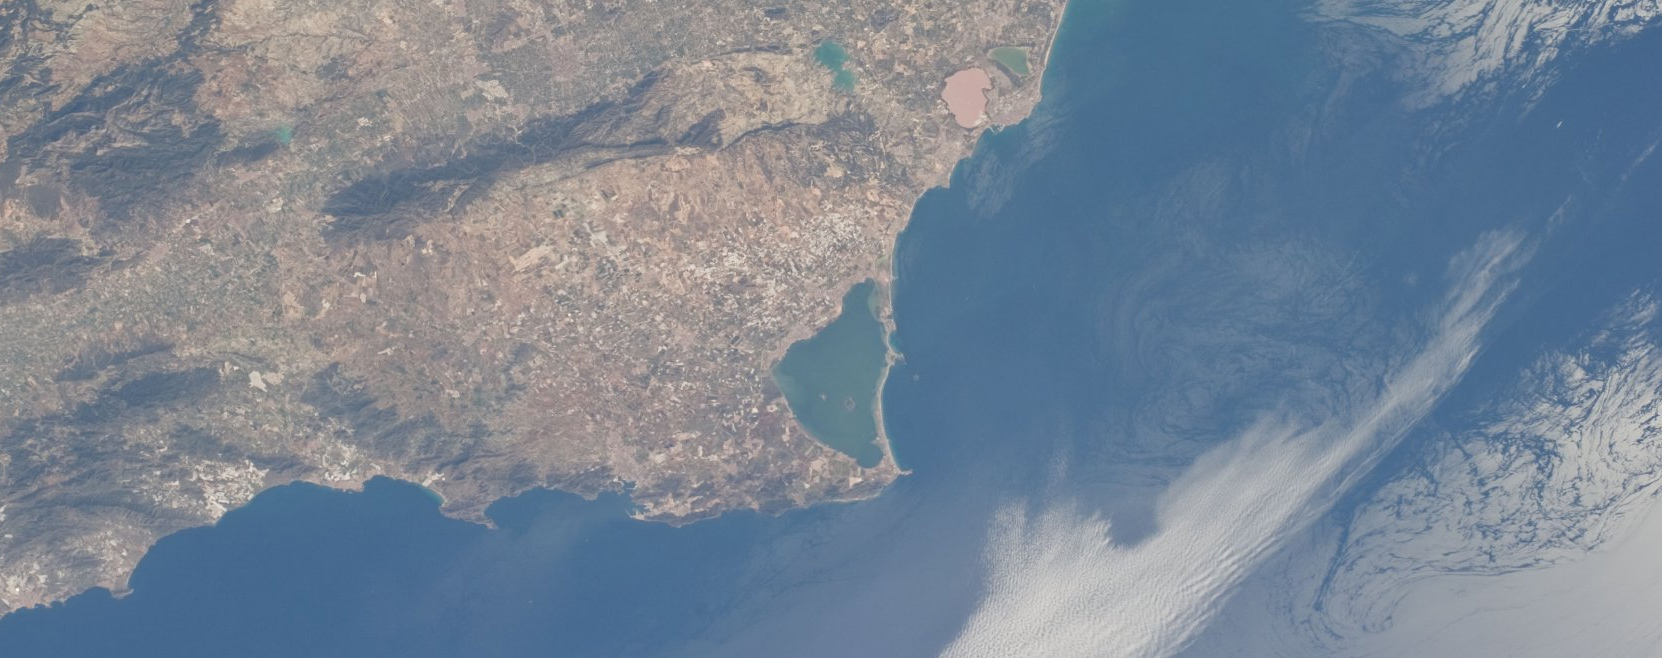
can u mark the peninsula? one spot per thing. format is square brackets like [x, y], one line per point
[481, 245]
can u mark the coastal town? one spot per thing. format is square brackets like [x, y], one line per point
[485, 246]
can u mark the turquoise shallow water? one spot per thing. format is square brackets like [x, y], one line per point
[1219, 210]
[830, 379]
[832, 55]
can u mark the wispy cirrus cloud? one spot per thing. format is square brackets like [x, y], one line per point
[1528, 530]
[1058, 588]
[1475, 45]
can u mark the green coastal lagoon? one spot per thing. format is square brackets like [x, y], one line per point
[830, 379]
[1011, 58]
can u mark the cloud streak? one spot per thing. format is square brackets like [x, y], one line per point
[1531, 532]
[1485, 45]
[1058, 588]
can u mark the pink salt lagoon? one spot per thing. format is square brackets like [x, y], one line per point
[966, 95]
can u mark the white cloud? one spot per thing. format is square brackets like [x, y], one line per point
[1601, 606]
[1533, 533]
[1056, 586]
[1484, 45]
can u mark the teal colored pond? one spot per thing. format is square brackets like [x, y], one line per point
[830, 379]
[843, 80]
[831, 55]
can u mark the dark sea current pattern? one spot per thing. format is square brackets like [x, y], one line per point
[1280, 329]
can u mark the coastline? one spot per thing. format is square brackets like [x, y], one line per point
[1028, 101]
[1004, 109]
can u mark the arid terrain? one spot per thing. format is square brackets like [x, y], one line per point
[483, 245]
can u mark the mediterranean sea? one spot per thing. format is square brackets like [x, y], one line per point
[1234, 276]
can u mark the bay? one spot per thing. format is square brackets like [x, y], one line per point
[1221, 212]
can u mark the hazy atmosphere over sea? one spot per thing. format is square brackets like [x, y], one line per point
[1304, 329]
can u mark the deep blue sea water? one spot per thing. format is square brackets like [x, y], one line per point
[1219, 209]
